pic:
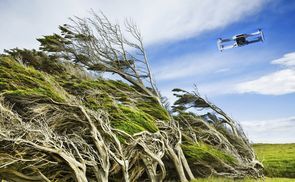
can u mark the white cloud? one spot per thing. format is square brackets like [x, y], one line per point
[178, 19]
[276, 83]
[188, 65]
[206, 63]
[214, 73]
[287, 60]
[217, 88]
[22, 21]
[222, 70]
[271, 131]
[166, 20]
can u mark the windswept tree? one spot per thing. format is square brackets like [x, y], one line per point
[216, 116]
[98, 45]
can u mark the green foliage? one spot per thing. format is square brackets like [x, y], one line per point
[204, 152]
[20, 80]
[153, 109]
[134, 120]
[187, 100]
[115, 97]
[37, 59]
[53, 43]
[61, 45]
[278, 159]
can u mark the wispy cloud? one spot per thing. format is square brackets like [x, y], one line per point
[189, 65]
[271, 131]
[168, 20]
[217, 88]
[276, 83]
[206, 63]
[222, 70]
[159, 21]
[287, 60]
[214, 73]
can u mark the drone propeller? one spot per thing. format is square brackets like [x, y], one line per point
[262, 35]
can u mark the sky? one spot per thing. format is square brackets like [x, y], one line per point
[254, 84]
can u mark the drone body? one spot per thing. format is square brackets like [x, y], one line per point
[240, 40]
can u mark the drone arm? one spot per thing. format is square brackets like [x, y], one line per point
[259, 32]
[228, 47]
[256, 40]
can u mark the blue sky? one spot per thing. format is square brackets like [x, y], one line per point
[255, 84]
[217, 74]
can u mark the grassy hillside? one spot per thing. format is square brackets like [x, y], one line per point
[278, 159]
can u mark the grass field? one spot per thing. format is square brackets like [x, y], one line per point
[278, 159]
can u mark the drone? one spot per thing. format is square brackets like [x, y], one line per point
[240, 40]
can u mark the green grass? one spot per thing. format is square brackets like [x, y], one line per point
[278, 159]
